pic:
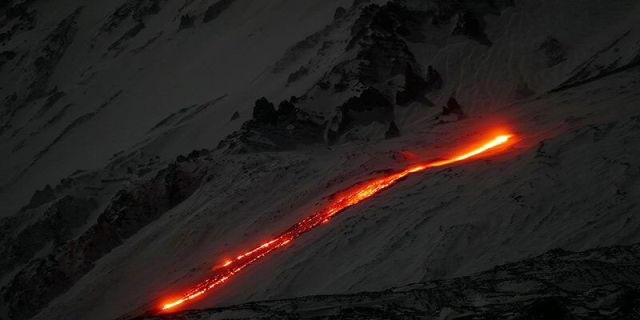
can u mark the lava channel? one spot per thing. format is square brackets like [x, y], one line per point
[342, 201]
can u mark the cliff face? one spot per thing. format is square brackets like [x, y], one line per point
[143, 142]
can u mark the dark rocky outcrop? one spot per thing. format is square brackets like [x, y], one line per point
[453, 107]
[379, 39]
[6, 56]
[415, 86]
[54, 47]
[339, 13]
[392, 132]
[296, 75]
[56, 226]
[51, 100]
[554, 52]
[37, 76]
[118, 45]
[130, 210]
[470, 26]
[186, 21]
[286, 112]
[41, 197]
[370, 106]
[137, 10]
[274, 130]
[264, 112]
[216, 9]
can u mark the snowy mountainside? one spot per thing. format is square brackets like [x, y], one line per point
[138, 151]
[596, 284]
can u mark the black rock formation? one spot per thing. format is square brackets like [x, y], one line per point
[392, 132]
[264, 112]
[453, 107]
[370, 106]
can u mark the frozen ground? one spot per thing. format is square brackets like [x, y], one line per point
[101, 112]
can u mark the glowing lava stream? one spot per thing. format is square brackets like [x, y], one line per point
[342, 201]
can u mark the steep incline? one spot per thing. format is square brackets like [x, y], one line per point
[601, 283]
[138, 151]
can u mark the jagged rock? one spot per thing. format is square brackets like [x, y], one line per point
[186, 21]
[272, 130]
[117, 46]
[379, 37]
[414, 88]
[52, 99]
[264, 112]
[195, 154]
[137, 10]
[54, 47]
[57, 225]
[296, 75]
[214, 10]
[131, 209]
[235, 115]
[6, 56]
[370, 106]
[434, 80]
[286, 112]
[554, 52]
[392, 132]
[470, 26]
[41, 197]
[339, 13]
[453, 107]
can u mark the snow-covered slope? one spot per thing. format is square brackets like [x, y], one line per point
[596, 284]
[105, 103]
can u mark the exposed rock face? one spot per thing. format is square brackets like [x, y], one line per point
[274, 130]
[286, 112]
[340, 12]
[41, 197]
[48, 55]
[216, 10]
[377, 45]
[453, 107]
[470, 26]
[296, 75]
[131, 209]
[392, 132]
[553, 51]
[138, 11]
[415, 86]
[264, 112]
[596, 284]
[186, 21]
[370, 106]
[56, 226]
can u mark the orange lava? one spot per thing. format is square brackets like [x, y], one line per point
[340, 202]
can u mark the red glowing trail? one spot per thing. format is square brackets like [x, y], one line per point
[341, 202]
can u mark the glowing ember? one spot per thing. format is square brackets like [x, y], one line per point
[342, 201]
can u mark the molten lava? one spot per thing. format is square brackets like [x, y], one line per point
[340, 202]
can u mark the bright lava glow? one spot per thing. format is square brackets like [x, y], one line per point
[341, 201]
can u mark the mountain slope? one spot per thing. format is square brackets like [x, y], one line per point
[138, 151]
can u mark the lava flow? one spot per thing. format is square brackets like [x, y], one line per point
[341, 201]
